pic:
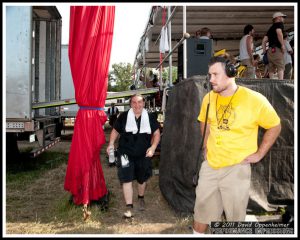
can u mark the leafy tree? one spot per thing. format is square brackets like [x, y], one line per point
[120, 78]
[165, 73]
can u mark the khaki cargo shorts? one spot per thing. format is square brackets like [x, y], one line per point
[276, 59]
[225, 189]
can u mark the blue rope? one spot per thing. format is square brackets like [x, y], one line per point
[91, 108]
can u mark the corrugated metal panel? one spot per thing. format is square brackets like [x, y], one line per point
[18, 62]
[32, 60]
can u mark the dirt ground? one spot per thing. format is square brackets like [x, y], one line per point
[42, 207]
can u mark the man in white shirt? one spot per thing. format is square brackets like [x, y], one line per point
[246, 50]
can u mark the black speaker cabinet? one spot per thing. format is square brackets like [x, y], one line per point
[199, 52]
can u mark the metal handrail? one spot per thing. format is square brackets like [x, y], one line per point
[185, 36]
[115, 95]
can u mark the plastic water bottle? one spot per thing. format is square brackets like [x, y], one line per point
[111, 155]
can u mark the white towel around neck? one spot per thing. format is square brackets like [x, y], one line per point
[131, 125]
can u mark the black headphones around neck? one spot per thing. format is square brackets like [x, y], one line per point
[230, 69]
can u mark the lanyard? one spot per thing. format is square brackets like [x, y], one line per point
[219, 120]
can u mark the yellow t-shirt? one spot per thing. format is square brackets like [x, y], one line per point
[234, 127]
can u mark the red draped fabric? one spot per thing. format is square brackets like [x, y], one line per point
[91, 33]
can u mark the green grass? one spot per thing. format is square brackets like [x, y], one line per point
[26, 150]
[66, 211]
[69, 212]
[25, 170]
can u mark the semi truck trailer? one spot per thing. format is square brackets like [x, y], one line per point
[33, 75]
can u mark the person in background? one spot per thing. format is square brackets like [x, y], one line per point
[157, 96]
[113, 112]
[288, 63]
[139, 136]
[204, 33]
[256, 60]
[276, 48]
[230, 145]
[246, 51]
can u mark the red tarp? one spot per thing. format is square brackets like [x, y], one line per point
[91, 32]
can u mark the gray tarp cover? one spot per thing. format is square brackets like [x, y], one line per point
[272, 180]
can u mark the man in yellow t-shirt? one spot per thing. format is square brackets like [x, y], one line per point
[230, 145]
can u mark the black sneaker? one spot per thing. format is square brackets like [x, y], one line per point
[141, 204]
